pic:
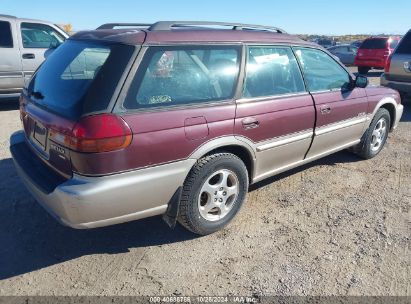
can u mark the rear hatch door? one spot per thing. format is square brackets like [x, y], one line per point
[78, 79]
[373, 49]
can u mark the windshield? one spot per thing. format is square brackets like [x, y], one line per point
[79, 77]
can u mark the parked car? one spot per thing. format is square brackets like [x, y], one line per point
[374, 52]
[23, 44]
[345, 52]
[398, 67]
[356, 43]
[178, 119]
[326, 43]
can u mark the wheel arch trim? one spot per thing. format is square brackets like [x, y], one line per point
[227, 142]
[390, 102]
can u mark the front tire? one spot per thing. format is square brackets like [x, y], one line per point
[375, 136]
[213, 193]
[363, 70]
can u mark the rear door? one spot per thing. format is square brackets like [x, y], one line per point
[36, 39]
[276, 112]
[11, 79]
[400, 69]
[340, 110]
[180, 98]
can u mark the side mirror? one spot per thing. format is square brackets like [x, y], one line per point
[361, 81]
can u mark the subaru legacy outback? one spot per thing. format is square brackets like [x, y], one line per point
[178, 118]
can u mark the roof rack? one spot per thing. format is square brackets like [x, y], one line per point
[7, 16]
[109, 26]
[169, 25]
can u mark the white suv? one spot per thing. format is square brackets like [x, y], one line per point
[23, 47]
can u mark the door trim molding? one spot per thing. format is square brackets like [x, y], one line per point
[341, 125]
[284, 140]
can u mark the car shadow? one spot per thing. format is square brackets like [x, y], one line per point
[331, 160]
[372, 73]
[9, 104]
[30, 239]
[406, 115]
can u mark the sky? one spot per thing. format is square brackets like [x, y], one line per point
[297, 17]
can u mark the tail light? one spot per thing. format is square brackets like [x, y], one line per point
[97, 133]
[387, 64]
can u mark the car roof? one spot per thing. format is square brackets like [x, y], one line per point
[24, 19]
[166, 33]
[383, 37]
[339, 45]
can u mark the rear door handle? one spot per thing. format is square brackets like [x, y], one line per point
[325, 110]
[250, 123]
[28, 56]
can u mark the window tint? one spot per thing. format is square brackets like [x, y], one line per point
[393, 43]
[272, 71]
[340, 49]
[405, 45]
[36, 35]
[79, 77]
[181, 75]
[321, 71]
[374, 44]
[6, 40]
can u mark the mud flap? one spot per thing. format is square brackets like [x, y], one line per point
[170, 217]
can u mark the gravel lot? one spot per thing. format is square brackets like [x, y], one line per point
[338, 226]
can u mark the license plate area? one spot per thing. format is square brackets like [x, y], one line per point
[40, 135]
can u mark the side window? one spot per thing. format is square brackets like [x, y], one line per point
[41, 36]
[6, 39]
[405, 45]
[179, 75]
[321, 72]
[272, 71]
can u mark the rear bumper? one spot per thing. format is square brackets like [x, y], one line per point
[403, 87]
[88, 202]
[371, 63]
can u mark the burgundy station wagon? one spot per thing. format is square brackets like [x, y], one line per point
[178, 118]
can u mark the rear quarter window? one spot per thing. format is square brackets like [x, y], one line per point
[6, 39]
[404, 46]
[172, 76]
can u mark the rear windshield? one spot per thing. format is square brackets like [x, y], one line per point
[405, 45]
[79, 77]
[374, 44]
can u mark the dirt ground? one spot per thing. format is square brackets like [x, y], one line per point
[338, 226]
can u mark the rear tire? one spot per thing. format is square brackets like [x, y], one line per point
[363, 70]
[375, 136]
[213, 193]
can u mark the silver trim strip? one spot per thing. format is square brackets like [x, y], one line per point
[345, 124]
[281, 141]
[272, 97]
[302, 162]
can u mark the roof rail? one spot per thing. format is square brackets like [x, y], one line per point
[168, 25]
[7, 16]
[109, 26]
